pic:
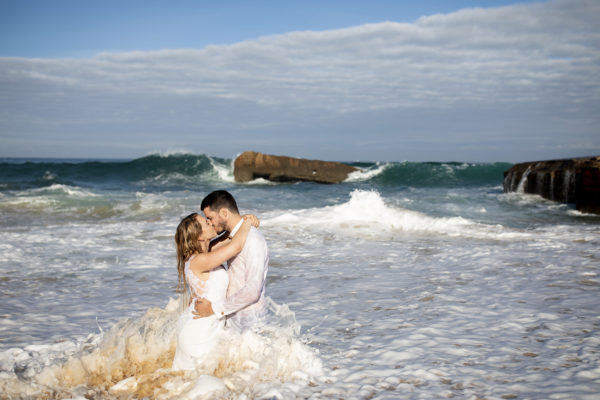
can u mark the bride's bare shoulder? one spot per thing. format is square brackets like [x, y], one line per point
[197, 264]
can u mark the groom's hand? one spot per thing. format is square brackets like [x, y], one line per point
[203, 309]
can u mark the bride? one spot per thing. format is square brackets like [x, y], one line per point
[201, 272]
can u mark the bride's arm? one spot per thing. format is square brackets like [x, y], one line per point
[221, 241]
[206, 261]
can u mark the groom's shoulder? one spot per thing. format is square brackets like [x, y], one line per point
[256, 235]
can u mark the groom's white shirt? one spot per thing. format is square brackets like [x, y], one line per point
[244, 305]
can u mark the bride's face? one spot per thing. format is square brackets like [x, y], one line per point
[208, 232]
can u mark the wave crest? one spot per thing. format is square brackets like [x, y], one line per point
[368, 173]
[366, 215]
[164, 171]
[430, 174]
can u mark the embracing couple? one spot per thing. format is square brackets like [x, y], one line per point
[232, 298]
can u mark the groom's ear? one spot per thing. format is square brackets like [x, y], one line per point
[224, 213]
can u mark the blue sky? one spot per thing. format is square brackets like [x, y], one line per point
[59, 28]
[342, 80]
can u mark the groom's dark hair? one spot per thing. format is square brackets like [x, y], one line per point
[220, 199]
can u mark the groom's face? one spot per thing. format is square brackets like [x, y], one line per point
[215, 219]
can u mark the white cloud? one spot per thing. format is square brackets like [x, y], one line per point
[544, 57]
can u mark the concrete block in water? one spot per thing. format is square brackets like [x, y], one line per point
[251, 165]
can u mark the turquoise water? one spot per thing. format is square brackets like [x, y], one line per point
[409, 280]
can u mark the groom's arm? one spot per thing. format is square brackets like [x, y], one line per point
[246, 295]
[203, 308]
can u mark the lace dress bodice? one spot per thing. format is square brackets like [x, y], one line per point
[197, 338]
[214, 288]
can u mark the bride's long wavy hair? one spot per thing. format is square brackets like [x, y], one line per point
[187, 244]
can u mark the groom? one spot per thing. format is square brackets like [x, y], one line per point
[244, 307]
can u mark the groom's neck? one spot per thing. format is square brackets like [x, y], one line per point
[233, 221]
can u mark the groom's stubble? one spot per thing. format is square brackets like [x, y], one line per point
[216, 219]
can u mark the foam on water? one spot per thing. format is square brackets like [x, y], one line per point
[366, 214]
[467, 319]
[219, 171]
[526, 199]
[368, 173]
[47, 196]
[261, 182]
[224, 171]
[59, 189]
[398, 286]
[56, 203]
[133, 359]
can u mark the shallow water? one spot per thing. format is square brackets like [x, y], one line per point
[412, 281]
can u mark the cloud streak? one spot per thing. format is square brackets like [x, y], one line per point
[528, 63]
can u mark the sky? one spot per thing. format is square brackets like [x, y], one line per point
[475, 81]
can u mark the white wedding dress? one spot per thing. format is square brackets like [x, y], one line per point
[196, 338]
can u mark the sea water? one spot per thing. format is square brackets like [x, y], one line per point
[406, 281]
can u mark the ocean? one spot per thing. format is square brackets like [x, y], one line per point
[410, 280]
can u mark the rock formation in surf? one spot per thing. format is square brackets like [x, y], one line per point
[251, 165]
[575, 180]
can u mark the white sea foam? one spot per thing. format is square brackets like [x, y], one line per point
[133, 359]
[29, 202]
[577, 213]
[56, 188]
[367, 215]
[449, 169]
[49, 176]
[168, 179]
[523, 199]
[398, 293]
[46, 196]
[145, 204]
[224, 172]
[166, 153]
[261, 182]
[369, 173]
[49, 198]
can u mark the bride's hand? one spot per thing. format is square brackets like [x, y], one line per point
[253, 220]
